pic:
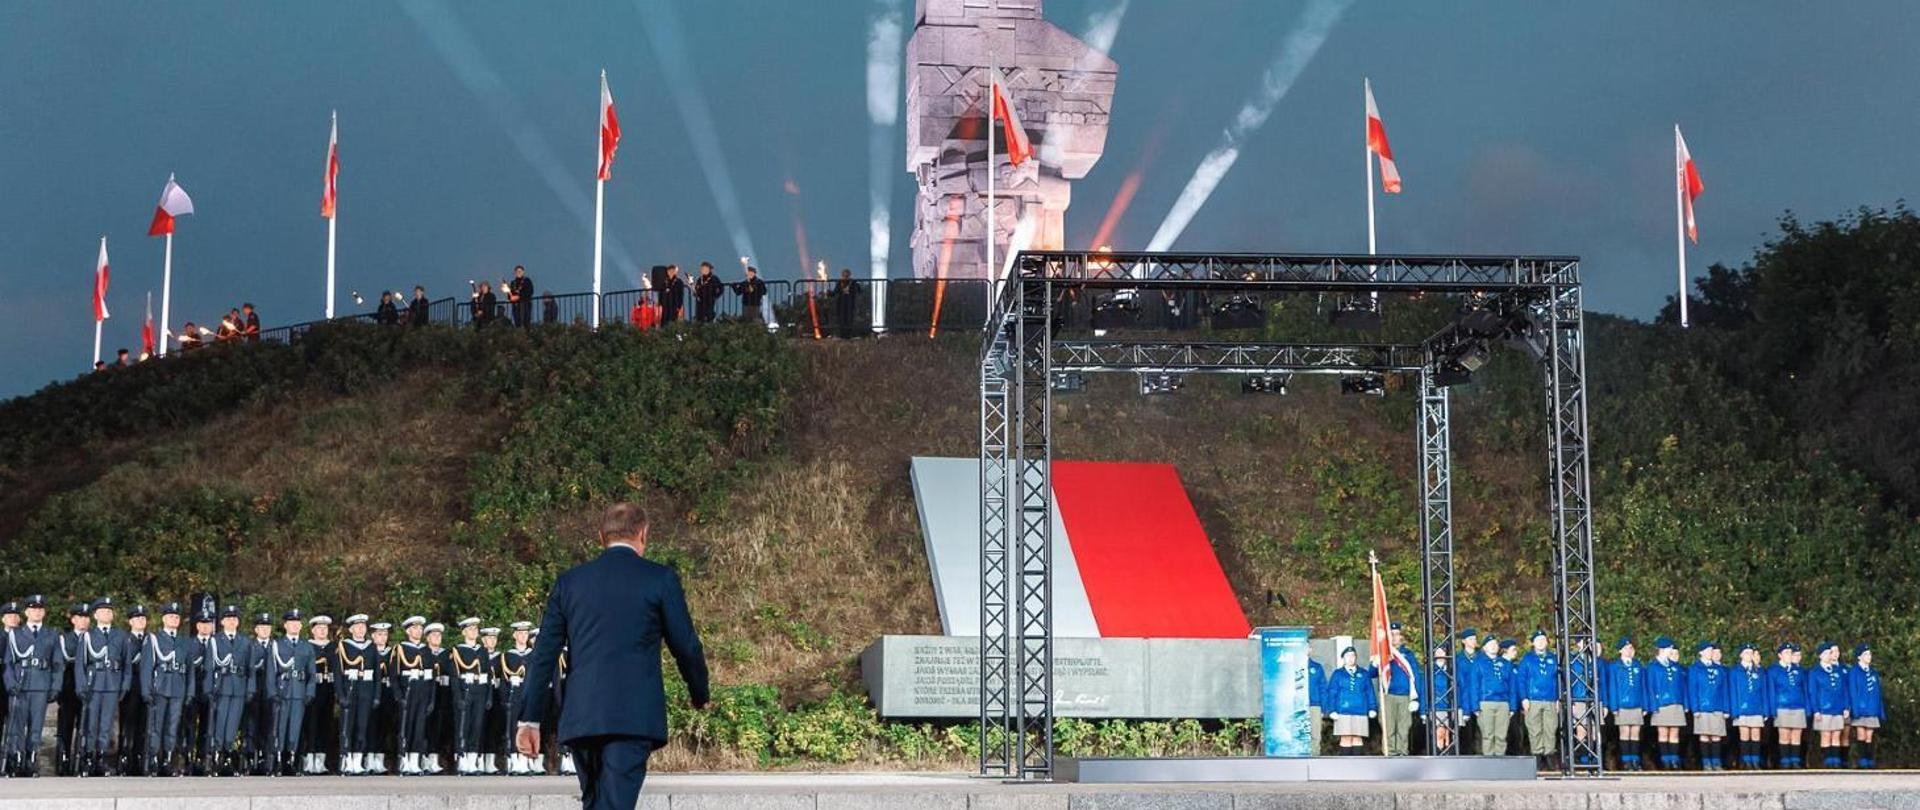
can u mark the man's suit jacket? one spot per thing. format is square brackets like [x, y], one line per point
[612, 614]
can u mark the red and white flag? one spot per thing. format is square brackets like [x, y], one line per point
[1689, 179]
[1019, 146]
[174, 203]
[333, 169]
[1382, 647]
[1377, 144]
[146, 329]
[100, 274]
[609, 129]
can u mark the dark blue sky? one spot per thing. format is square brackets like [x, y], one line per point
[1535, 127]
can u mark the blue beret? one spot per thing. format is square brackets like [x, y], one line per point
[1746, 647]
[1507, 642]
[1469, 633]
[1785, 646]
[1662, 643]
[1824, 646]
[1393, 626]
[1347, 650]
[1704, 646]
[1625, 641]
[1861, 649]
[1536, 634]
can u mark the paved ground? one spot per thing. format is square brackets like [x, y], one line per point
[1768, 791]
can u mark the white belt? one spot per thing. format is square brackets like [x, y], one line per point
[416, 674]
[358, 674]
[323, 677]
[515, 680]
[470, 678]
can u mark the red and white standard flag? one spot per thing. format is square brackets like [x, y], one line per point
[609, 129]
[100, 274]
[1019, 146]
[1377, 144]
[174, 203]
[1689, 179]
[1382, 646]
[333, 170]
[146, 329]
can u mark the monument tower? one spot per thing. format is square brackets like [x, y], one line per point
[1063, 91]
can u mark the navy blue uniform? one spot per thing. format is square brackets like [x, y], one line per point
[166, 679]
[33, 672]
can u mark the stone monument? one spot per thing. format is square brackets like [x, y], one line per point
[1062, 90]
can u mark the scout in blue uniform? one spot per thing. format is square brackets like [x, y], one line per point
[1827, 698]
[1863, 700]
[1750, 703]
[1667, 697]
[1351, 702]
[1539, 688]
[318, 731]
[1623, 694]
[290, 669]
[1316, 696]
[1708, 698]
[105, 661]
[1495, 694]
[1405, 683]
[1441, 713]
[1580, 694]
[511, 678]
[33, 674]
[166, 678]
[1787, 685]
[1467, 653]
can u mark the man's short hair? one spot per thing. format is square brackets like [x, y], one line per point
[624, 521]
[708, 265]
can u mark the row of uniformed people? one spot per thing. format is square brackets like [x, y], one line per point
[1495, 681]
[219, 702]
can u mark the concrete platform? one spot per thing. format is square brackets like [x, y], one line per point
[1806, 790]
[1269, 770]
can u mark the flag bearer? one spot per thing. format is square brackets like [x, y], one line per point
[1827, 698]
[1352, 703]
[1750, 703]
[1405, 683]
[166, 678]
[1787, 685]
[1494, 689]
[1667, 696]
[1623, 694]
[1708, 698]
[1863, 699]
[1539, 675]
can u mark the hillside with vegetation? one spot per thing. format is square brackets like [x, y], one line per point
[1755, 479]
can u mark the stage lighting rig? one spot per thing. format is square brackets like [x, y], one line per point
[1151, 384]
[1370, 384]
[1237, 311]
[1265, 383]
[1115, 309]
[1358, 313]
[1069, 382]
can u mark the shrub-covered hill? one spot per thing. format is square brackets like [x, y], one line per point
[452, 472]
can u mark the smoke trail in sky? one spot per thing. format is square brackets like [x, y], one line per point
[884, 26]
[1296, 51]
[669, 44]
[465, 58]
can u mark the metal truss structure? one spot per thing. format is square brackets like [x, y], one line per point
[1528, 300]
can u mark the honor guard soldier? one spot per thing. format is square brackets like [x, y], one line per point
[1352, 703]
[318, 731]
[1863, 699]
[413, 687]
[511, 680]
[1750, 704]
[258, 724]
[33, 674]
[1827, 698]
[492, 729]
[381, 729]
[1405, 681]
[1787, 685]
[1708, 698]
[1667, 697]
[472, 692]
[356, 665]
[133, 705]
[104, 653]
[1316, 700]
[1623, 694]
[72, 700]
[440, 719]
[1539, 676]
[1494, 695]
[9, 621]
[166, 680]
[197, 714]
[290, 668]
[227, 676]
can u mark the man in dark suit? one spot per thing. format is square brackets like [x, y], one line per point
[612, 614]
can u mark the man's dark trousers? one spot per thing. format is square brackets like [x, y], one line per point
[611, 770]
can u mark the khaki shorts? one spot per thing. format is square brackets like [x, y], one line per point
[1672, 715]
[1790, 718]
[1749, 721]
[1710, 724]
[1866, 722]
[1350, 725]
[1629, 717]
[1829, 722]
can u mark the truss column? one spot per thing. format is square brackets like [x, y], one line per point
[1033, 533]
[1572, 519]
[996, 737]
[1436, 546]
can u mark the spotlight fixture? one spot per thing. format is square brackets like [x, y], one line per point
[1238, 311]
[1114, 309]
[1151, 384]
[1372, 384]
[1069, 382]
[1265, 383]
[1358, 313]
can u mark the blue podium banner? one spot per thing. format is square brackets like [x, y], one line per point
[1283, 692]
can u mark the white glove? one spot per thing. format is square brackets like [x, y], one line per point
[1525, 705]
[443, 680]
[1373, 714]
[1333, 716]
[1413, 705]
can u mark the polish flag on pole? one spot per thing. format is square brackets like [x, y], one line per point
[1690, 185]
[1377, 144]
[1019, 146]
[100, 278]
[146, 330]
[333, 170]
[609, 129]
[174, 203]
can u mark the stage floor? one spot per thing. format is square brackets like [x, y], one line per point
[888, 791]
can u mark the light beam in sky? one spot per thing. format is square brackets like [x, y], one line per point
[1296, 52]
[885, 23]
[669, 45]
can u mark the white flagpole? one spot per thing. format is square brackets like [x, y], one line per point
[333, 218]
[166, 294]
[1366, 134]
[599, 200]
[96, 342]
[993, 268]
[1680, 219]
[96, 313]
